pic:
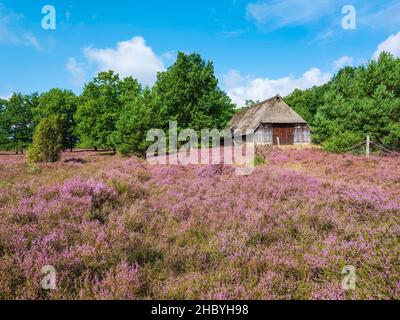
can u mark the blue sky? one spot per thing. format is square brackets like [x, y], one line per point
[258, 47]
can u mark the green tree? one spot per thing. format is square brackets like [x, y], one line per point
[99, 107]
[306, 102]
[136, 118]
[357, 102]
[47, 141]
[62, 103]
[188, 93]
[3, 125]
[17, 121]
[250, 103]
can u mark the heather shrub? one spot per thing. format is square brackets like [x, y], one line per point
[47, 141]
[120, 283]
[144, 254]
[342, 142]
[135, 231]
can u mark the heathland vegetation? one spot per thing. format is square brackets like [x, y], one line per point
[113, 113]
[118, 228]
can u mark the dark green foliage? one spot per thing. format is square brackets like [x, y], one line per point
[393, 137]
[143, 254]
[62, 103]
[250, 103]
[357, 102]
[342, 142]
[47, 141]
[136, 118]
[306, 102]
[99, 108]
[16, 122]
[3, 126]
[116, 113]
[188, 93]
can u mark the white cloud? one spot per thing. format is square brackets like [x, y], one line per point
[342, 62]
[32, 41]
[11, 32]
[234, 79]
[241, 88]
[6, 19]
[77, 71]
[273, 14]
[384, 14]
[278, 13]
[234, 33]
[391, 44]
[169, 56]
[128, 58]
[325, 36]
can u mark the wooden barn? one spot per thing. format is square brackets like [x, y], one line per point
[273, 122]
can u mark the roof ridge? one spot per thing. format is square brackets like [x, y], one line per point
[267, 100]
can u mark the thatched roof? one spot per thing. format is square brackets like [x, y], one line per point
[271, 111]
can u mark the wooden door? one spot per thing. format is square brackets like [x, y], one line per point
[285, 135]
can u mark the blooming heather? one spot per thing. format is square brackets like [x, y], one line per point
[118, 228]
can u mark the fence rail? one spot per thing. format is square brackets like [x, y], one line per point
[367, 144]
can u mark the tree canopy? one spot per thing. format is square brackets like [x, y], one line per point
[16, 121]
[61, 103]
[357, 102]
[115, 113]
[188, 93]
[136, 118]
[99, 107]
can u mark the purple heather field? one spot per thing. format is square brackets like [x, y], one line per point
[119, 228]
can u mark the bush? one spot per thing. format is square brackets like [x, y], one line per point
[342, 142]
[47, 141]
[259, 160]
[392, 140]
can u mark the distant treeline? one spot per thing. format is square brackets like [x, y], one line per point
[357, 102]
[114, 113]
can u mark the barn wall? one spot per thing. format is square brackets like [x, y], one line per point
[302, 134]
[263, 134]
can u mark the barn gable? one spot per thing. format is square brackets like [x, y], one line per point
[272, 121]
[273, 110]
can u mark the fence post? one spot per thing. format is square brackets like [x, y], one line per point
[367, 149]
